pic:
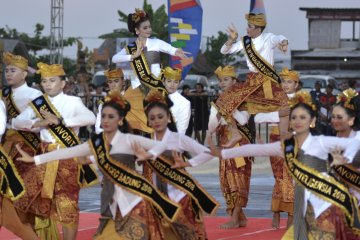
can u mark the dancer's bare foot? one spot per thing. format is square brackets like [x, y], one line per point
[276, 220]
[289, 221]
[231, 224]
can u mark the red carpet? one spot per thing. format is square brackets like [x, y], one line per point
[257, 228]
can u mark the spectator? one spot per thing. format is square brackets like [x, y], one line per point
[186, 93]
[326, 103]
[69, 88]
[82, 87]
[316, 94]
[201, 112]
[97, 97]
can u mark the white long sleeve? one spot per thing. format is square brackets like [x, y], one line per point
[2, 118]
[98, 128]
[181, 111]
[254, 150]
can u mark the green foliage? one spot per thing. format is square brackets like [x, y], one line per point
[34, 43]
[213, 54]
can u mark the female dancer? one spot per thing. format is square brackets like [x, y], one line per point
[189, 224]
[145, 53]
[306, 156]
[129, 209]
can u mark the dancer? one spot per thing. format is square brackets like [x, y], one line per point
[16, 98]
[58, 117]
[129, 208]
[283, 192]
[181, 109]
[317, 194]
[180, 186]
[144, 57]
[262, 91]
[115, 81]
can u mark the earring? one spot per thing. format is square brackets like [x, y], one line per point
[120, 123]
[169, 121]
[312, 125]
[351, 123]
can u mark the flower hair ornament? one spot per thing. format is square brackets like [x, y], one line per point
[138, 15]
[302, 97]
[346, 97]
[114, 96]
[155, 96]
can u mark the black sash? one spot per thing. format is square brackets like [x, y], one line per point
[143, 72]
[325, 187]
[12, 184]
[129, 179]
[259, 62]
[31, 139]
[349, 175]
[181, 179]
[65, 136]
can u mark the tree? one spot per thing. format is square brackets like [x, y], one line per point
[213, 54]
[36, 43]
[159, 23]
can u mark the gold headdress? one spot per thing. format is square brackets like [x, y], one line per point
[114, 74]
[172, 73]
[226, 71]
[15, 60]
[302, 97]
[256, 19]
[54, 70]
[138, 15]
[155, 96]
[346, 97]
[289, 75]
[115, 96]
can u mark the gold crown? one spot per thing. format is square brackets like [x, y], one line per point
[256, 19]
[137, 15]
[289, 75]
[226, 71]
[302, 97]
[155, 96]
[53, 70]
[115, 96]
[172, 73]
[114, 74]
[346, 97]
[15, 60]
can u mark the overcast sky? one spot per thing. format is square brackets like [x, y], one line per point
[90, 18]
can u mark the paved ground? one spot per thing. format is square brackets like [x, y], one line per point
[262, 182]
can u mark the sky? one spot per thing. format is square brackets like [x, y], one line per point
[90, 18]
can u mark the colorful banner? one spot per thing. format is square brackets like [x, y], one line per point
[185, 23]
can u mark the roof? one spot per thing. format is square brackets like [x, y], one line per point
[15, 46]
[344, 14]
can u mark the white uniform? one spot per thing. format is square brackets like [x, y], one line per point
[317, 146]
[152, 44]
[181, 111]
[264, 44]
[121, 143]
[71, 109]
[2, 118]
[180, 143]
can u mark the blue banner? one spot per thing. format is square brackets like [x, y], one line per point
[185, 23]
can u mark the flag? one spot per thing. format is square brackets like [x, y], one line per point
[185, 23]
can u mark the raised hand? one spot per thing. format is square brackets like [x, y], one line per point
[232, 33]
[140, 152]
[25, 157]
[181, 53]
[179, 161]
[338, 158]
[283, 46]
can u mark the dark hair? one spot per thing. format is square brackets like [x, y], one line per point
[311, 112]
[166, 107]
[201, 85]
[125, 128]
[351, 83]
[132, 25]
[185, 87]
[355, 113]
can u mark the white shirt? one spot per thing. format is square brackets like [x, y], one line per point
[317, 146]
[271, 117]
[180, 143]
[181, 111]
[2, 118]
[152, 44]
[241, 117]
[121, 143]
[71, 109]
[264, 44]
